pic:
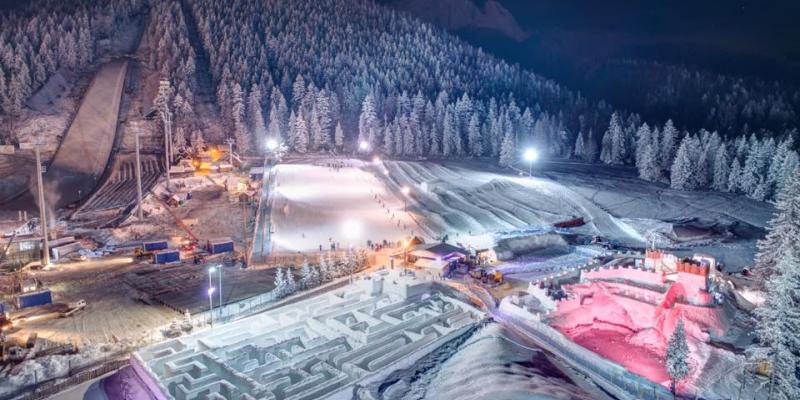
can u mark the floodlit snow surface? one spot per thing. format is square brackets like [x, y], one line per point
[316, 204]
[466, 202]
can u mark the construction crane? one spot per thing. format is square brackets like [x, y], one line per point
[179, 222]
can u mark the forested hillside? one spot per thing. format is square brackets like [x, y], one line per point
[45, 35]
[328, 74]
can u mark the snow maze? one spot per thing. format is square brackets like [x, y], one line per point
[316, 348]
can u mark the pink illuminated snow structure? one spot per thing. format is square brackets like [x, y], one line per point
[627, 314]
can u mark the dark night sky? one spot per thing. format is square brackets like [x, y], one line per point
[751, 37]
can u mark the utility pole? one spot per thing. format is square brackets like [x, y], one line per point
[42, 212]
[230, 142]
[139, 212]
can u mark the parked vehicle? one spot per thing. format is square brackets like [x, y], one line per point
[33, 299]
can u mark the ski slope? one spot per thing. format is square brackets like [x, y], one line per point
[467, 204]
[315, 204]
[472, 203]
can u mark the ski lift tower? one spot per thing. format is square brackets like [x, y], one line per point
[166, 116]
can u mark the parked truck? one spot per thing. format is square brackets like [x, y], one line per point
[166, 256]
[219, 245]
[33, 299]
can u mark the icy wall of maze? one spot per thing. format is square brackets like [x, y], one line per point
[312, 349]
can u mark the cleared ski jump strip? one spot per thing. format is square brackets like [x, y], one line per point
[85, 149]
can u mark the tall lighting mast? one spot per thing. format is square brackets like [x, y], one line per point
[42, 208]
[166, 116]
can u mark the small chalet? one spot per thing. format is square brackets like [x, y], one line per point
[436, 257]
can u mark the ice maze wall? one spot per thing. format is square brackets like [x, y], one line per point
[308, 350]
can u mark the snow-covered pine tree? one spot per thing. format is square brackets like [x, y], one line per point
[646, 154]
[704, 173]
[301, 134]
[580, 150]
[777, 164]
[619, 151]
[474, 136]
[778, 319]
[591, 147]
[605, 148]
[280, 284]
[508, 150]
[783, 230]
[735, 176]
[677, 355]
[684, 168]
[367, 121]
[255, 116]
[409, 141]
[316, 275]
[338, 136]
[241, 134]
[306, 275]
[198, 143]
[721, 169]
[178, 140]
[291, 283]
[388, 140]
[279, 111]
[324, 120]
[298, 91]
[435, 149]
[449, 134]
[325, 268]
[669, 138]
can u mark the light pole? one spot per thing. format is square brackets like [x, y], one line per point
[210, 302]
[363, 146]
[139, 212]
[211, 270]
[530, 156]
[42, 211]
[406, 190]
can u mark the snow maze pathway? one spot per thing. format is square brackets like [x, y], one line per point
[309, 350]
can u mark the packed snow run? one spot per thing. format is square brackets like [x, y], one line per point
[335, 202]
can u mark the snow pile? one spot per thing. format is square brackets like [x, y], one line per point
[40, 369]
[510, 248]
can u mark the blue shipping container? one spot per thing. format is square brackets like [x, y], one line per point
[166, 256]
[34, 299]
[154, 245]
[218, 247]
